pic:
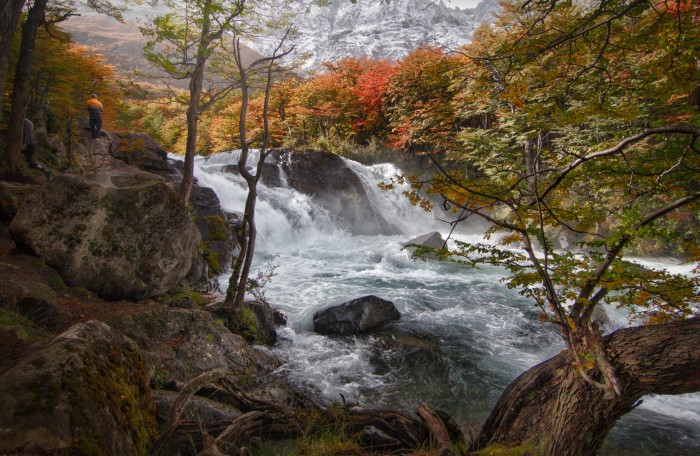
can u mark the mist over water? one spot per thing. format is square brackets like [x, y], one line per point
[463, 335]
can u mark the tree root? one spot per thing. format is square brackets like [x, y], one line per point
[391, 430]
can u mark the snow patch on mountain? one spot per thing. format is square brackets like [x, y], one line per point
[384, 30]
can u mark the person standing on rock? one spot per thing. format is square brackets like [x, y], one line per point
[94, 108]
[29, 147]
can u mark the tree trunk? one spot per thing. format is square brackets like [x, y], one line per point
[10, 11]
[191, 145]
[235, 291]
[553, 409]
[193, 107]
[20, 90]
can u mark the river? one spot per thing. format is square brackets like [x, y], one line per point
[463, 335]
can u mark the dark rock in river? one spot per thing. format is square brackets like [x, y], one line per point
[122, 236]
[218, 237]
[432, 240]
[325, 177]
[356, 316]
[84, 393]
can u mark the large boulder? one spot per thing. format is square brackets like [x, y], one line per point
[179, 344]
[139, 150]
[356, 316]
[431, 240]
[334, 186]
[218, 237]
[84, 393]
[122, 236]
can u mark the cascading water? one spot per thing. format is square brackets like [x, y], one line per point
[463, 335]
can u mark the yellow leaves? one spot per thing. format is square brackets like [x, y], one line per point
[585, 361]
[515, 94]
[511, 239]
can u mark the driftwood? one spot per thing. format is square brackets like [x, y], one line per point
[375, 429]
[439, 435]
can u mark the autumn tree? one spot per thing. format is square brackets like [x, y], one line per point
[324, 105]
[40, 13]
[61, 74]
[10, 11]
[582, 123]
[181, 43]
[419, 97]
[265, 66]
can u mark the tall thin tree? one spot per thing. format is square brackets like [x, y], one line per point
[242, 263]
[181, 45]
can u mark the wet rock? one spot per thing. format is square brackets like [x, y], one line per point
[255, 321]
[432, 240]
[356, 316]
[270, 175]
[279, 317]
[218, 235]
[84, 393]
[332, 184]
[123, 236]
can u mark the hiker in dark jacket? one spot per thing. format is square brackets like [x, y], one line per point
[29, 147]
[94, 107]
[29, 143]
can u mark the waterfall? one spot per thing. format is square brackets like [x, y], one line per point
[463, 335]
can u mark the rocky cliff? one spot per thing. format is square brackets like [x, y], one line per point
[385, 30]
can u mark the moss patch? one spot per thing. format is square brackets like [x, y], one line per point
[328, 443]
[182, 295]
[115, 382]
[24, 328]
[525, 449]
[211, 258]
[217, 227]
[247, 324]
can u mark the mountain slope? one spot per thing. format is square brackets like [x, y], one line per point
[385, 30]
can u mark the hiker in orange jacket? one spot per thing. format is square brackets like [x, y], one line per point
[94, 107]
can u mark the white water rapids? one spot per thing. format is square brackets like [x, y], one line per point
[463, 335]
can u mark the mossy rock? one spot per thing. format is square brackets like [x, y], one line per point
[121, 236]
[85, 393]
[254, 321]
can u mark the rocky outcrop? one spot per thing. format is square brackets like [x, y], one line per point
[326, 177]
[38, 303]
[432, 240]
[84, 393]
[122, 236]
[255, 321]
[139, 150]
[356, 316]
[56, 145]
[219, 241]
[179, 344]
[11, 196]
